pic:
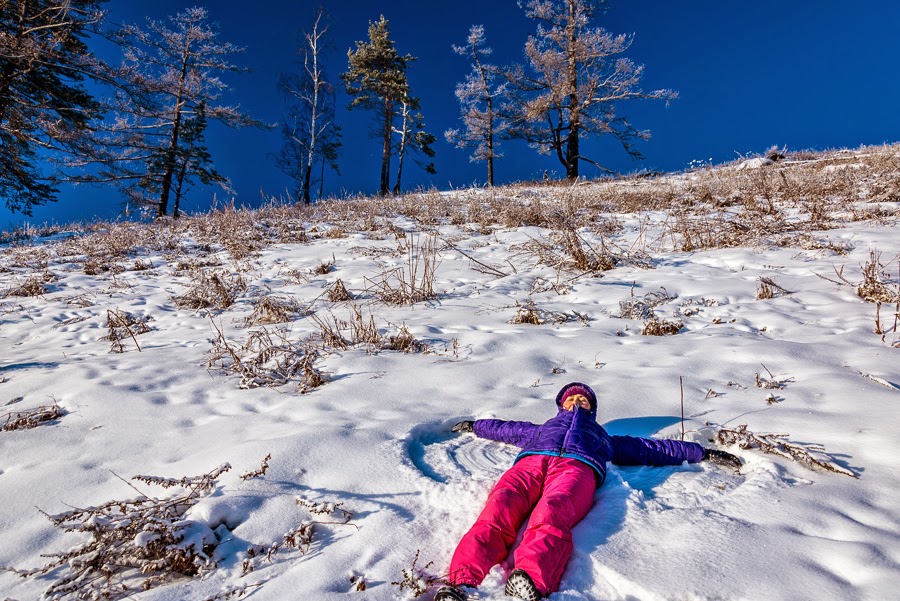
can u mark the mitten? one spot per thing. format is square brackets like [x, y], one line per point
[722, 458]
[466, 426]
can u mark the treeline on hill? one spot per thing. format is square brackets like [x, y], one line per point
[144, 133]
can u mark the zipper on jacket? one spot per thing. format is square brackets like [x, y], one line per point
[562, 449]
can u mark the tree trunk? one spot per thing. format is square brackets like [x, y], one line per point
[322, 178]
[307, 180]
[178, 187]
[402, 150]
[490, 144]
[572, 151]
[386, 149]
[169, 171]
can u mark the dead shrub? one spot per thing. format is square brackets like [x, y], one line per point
[661, 327]
[338, 293]
[528, 313]
[31, 418]
[216, 290]
[873, 288]
[270, 310]
[267, 359]
[769, 289]
[417, 579]
[121, 326]
[135, 544]
[777, 444]
[642, 307]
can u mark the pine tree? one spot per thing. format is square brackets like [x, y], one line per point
[376, 79]
[480, 96]
[310, 133]
[44, 106]
[576, 79]
[168, 74]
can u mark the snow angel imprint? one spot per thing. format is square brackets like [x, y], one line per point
[562, 463]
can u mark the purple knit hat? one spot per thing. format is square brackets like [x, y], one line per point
[577, 388]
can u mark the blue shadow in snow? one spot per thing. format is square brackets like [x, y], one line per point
[28, 365]
[420, 437]
[640, 426]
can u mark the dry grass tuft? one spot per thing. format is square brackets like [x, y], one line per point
[325, 267]
[32, 286]
[404, 342]
[271, 310]
[529, 313]
[268, 359]
[216, 290]
[414, 282]
[642, 307]
[259, 472]
[873, 288]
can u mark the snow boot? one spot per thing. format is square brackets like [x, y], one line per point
[450, 593]
[521, 586]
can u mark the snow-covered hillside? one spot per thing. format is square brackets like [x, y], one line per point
[231, 342]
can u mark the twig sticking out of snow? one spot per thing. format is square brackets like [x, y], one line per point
[881, 381]
[416, 579]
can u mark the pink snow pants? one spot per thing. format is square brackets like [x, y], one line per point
[558, 492]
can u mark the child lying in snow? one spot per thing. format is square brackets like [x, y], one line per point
[562, 463]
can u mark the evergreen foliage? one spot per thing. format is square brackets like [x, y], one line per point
[44, 106]
[376, 80]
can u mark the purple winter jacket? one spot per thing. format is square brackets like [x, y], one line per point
[576, 434]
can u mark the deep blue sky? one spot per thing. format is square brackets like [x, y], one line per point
[803, 73]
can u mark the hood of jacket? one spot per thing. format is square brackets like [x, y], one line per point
[592, 397]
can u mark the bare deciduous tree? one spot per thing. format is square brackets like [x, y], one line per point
[413, 139]
[479, 97]
[577, 77]
[309, 131]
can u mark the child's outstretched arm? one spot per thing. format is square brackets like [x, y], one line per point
[510, 432]
[632, 450]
